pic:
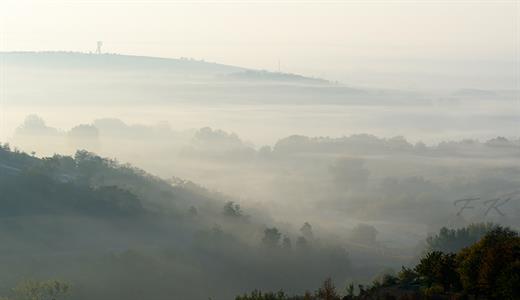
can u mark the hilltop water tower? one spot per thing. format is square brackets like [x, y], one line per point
[99, 45]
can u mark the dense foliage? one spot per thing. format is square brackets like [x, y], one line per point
[453, 240]
[488, 269]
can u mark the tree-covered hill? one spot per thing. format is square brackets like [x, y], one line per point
[116, 232]
[33, 184]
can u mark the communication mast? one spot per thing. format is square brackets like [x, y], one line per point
[99, 45]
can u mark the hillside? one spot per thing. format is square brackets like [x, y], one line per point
[91, 176]
[111, 62]
[62, 61]
[115, 232]
[70, 78]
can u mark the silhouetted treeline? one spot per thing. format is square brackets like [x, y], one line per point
[487, 269]
[453, 240]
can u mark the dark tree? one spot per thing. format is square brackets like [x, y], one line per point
[327, 291]
[231, 209]
[271, 237]
[491, 267]
[438, 268]
[306, 231]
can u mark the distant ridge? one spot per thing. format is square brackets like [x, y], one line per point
[254, 75]
[88, 60]
[80, 60]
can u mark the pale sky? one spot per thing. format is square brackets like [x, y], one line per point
[317, 38]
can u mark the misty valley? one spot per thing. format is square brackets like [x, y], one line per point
[132, 177]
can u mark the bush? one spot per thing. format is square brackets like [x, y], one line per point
[491, 267]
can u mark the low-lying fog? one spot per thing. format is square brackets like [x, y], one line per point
[265, 124]
[67, 89]
[296, 149]
[231, 130]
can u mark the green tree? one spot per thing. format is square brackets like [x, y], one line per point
[349, 292]
[437, 267]
[306, 231]
[491, 267]
[407, 275]
[327, 291]
[42, 290]
[271, 237]
[286, 243]
[231, 209]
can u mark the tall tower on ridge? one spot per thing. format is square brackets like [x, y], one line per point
[99, 45]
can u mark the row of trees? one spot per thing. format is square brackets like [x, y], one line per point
[273, 238]
[40, 290]
[488, 269]
[453, 240]
[327, 291]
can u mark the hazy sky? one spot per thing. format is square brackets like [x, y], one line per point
[322, 38]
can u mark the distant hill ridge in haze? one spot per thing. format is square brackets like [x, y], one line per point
[109, 61]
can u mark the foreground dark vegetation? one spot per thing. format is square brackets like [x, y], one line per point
[488, 269]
